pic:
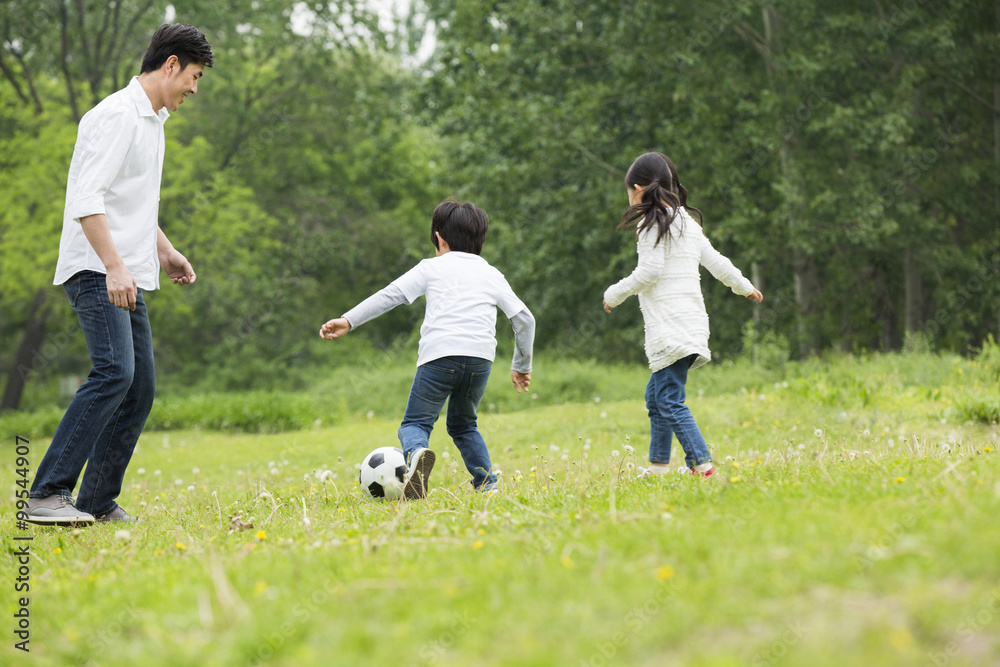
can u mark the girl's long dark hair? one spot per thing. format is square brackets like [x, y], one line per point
[662, 195]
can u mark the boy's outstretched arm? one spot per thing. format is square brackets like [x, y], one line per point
[524, 341]
[378, 303]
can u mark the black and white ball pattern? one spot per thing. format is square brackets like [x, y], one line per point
[382, 473]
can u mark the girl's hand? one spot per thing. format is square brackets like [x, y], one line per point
[334, 328]
[756, 296]
[521, 381]
[607, 308]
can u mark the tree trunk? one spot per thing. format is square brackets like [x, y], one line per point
[996, 141]
[913, 287]
[996, 122]
[27, 352]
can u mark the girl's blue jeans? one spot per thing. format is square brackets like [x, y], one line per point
[104, 420]
[669, 416]
[461, 381]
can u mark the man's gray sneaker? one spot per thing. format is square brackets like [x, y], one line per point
[56, 511]
[117, 515]
[415, 483]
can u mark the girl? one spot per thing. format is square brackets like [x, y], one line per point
[671, 247]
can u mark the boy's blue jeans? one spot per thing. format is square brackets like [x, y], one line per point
[668, 415]
[103, 423]
[462, 382]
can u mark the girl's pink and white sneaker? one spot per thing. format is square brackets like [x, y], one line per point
[707, 473]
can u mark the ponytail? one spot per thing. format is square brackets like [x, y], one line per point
[662, 195]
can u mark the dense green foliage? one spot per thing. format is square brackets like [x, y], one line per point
[845, 156]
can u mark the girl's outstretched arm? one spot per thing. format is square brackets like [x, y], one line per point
[646, 273]
[725, 272]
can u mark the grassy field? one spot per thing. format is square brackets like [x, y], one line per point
[854, 523]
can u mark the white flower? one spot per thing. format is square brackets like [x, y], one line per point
[629, 449]
[682, 471]
[892, 443]
[564, 457]
[370, 414]
[586, 446]
[802, 446]
[597, 399]
[191, 487]
[156, 472]
[946, 448]
[554, 448]
[123, 535]
[325, 475]
[274, 471]
[818, 433]
[141, 471]
[614, 453]
[178, 482]
[866, 432]
[195, 471]
[604, 415]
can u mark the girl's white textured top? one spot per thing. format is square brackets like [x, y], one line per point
[668, 283]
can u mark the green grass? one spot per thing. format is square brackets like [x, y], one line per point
[854, 522]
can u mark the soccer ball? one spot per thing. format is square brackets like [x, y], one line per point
[382, 473]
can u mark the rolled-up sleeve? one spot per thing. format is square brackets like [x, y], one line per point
[101, 147]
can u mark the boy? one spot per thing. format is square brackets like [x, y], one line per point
[457, 341]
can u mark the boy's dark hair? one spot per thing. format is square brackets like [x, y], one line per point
[184, 41]
[462, 226]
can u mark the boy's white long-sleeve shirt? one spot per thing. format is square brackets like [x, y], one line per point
[463, 292]
[668, 283]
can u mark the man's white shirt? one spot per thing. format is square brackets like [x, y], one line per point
[116, 170]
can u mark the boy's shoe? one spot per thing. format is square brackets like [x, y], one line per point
[415, 483]
[708, 473]
[56, 510]
[117, 515]
[489, 488]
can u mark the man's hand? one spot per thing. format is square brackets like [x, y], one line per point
[177, 268]
[122, 290]
[334, 328]
[520, 380]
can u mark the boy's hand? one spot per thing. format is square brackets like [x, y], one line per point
[607, 308]
[334, 328]
[520, 380]
[756, 296]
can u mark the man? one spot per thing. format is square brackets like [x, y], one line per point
[111, 250]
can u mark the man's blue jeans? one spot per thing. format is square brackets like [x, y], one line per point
[668, 415]
[103, 423]
[462, 382]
